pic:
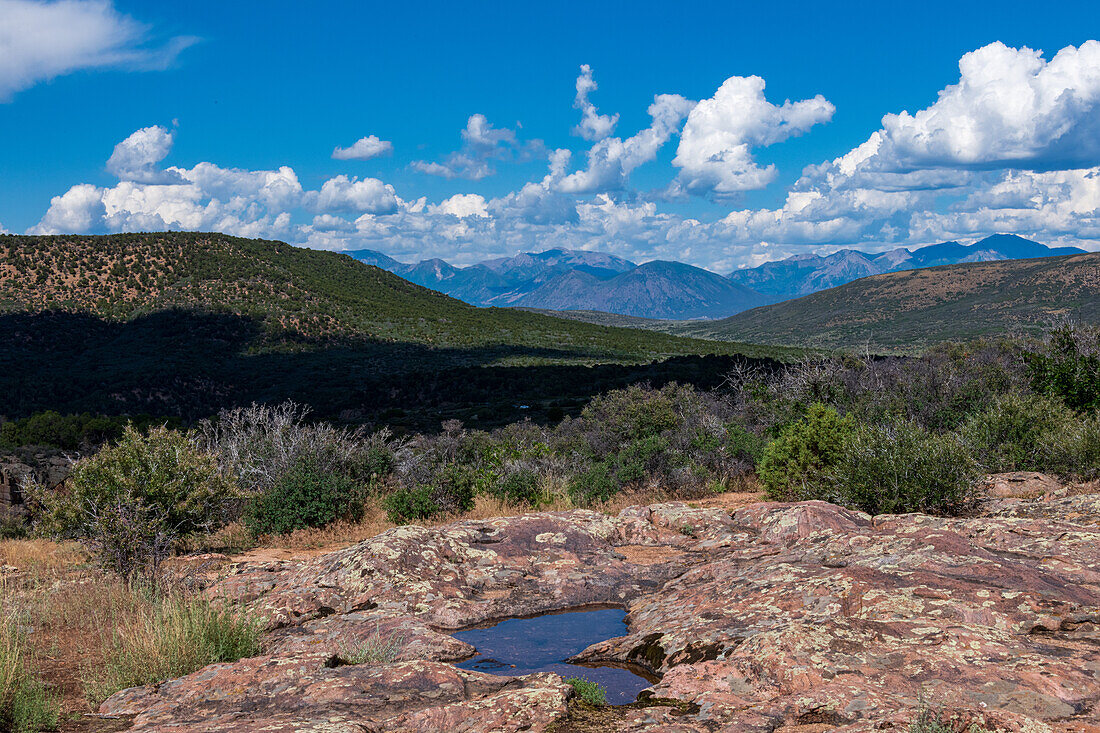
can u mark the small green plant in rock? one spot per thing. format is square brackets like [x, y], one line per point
[934, 721]
[592, 693]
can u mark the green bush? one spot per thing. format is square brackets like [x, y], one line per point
[641, 458]
[452, 491]
[131, 501]
[72, 432]
[1008, 434]
[1068, 366]
[305, 496]
[519, 486]
[900, 467]
[13, 525]
[743, 444]
[792, 462]
[406, 505]
[1073, 450]
[594, 485]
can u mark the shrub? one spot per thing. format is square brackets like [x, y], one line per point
[588, 691]
[743, 444]
[934, 721]
[898, 467]
[594, 485]
[642, 457]
[1067, 366]
[175, 635]
[25, 706]
[13, 524]
[131, 501]
[306, 496]
[795, 460]
[261, 444]
[406, 505]
[1073, 450]
[650, 435]
[451, 492]
[1008, 434]
[72, 432]
[519, 486]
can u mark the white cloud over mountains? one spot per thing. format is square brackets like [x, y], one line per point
[42, 40]
[1013, 146]
[715, 152]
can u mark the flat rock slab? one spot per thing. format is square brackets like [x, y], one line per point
[768, 617]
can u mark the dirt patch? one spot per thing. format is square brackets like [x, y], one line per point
[644, 555]
[729, 500]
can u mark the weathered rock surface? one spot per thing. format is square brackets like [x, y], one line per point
[773, 615]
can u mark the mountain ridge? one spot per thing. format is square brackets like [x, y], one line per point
[539, 281]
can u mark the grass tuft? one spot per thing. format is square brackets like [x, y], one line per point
[592, 693]
[378, 648]
[25, 705]
[174, 635]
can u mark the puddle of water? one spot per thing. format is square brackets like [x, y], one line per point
[519, 646]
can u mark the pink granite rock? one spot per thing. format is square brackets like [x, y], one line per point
[773, 615]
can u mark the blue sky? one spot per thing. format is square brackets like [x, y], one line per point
[226, 117]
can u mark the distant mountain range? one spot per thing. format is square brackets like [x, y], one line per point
[571, 280]
[804, 274]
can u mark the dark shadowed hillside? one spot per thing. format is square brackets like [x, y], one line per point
[182, 324]
[904, 311]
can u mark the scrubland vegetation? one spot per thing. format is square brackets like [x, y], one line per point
[877, 434]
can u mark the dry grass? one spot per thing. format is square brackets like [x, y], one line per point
[41, 558]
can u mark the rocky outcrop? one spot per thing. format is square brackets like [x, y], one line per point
[756, 619]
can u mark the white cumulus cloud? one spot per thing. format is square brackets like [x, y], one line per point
[136, 157]
[364, 148]
[368, 195]
[463, 205]
[593, 125]
[612, 159]
[715, 150]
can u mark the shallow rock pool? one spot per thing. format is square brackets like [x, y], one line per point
[519, 646]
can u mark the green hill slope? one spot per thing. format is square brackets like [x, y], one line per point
[183, 323]
[295, 293]
[906, 311]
